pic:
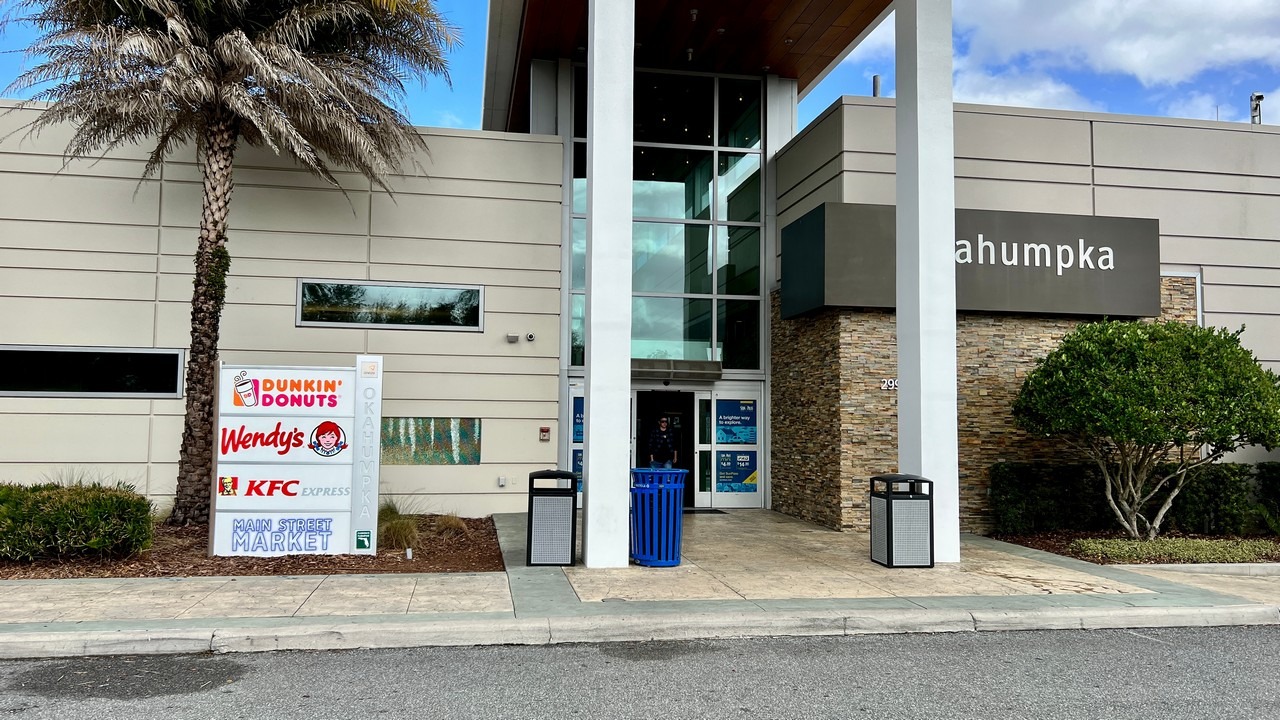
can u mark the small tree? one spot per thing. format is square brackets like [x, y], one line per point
[1149, 402]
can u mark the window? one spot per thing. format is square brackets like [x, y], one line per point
[90, 372]
[394, 305]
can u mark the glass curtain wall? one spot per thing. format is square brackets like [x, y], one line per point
[697, 194]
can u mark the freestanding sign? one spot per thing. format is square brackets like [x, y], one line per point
[298, 460]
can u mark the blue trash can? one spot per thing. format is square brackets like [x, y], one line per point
[657, 512]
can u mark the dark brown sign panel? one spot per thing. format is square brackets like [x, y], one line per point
[843, 255]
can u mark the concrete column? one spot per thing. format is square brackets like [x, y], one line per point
[927, 428]
[607, 441]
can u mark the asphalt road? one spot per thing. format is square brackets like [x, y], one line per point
[1150, 674]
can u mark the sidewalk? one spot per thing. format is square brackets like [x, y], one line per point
[743, 573]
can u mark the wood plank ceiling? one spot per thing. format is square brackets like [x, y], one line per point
[791, 38]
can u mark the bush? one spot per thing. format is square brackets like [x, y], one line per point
[1177, 550]
[400, 532]
[51, 521]
[1040, 497]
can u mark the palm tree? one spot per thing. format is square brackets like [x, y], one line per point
[321, 80]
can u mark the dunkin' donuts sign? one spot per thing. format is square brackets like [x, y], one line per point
[298, 453]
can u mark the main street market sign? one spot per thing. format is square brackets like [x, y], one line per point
[298, 459]
[843, 255]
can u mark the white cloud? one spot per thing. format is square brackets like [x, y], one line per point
[1203, 106]
[974, 84]
[1160, 42]
[876, 46]
[444, 118]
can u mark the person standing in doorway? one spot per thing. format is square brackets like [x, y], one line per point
[662, 446]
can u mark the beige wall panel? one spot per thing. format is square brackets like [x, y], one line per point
[1266, 277]
[1196, 213]
[162, 484]
[1261, 332]
[1214, 251]
[464, 253]
[1181, 180]
[27, 473]
[516, 441]
[51, 141]
[476, 505]
[72, 406]
[468, 276]
[254, 175]
[486, 189]
[1253, 455]
[505, 299]
[825, 176]
[799, 205]
[51, 165]
[515, 158]
[1232, 151]
[1024, 196]
[258, 328]
[31, 282]
[288, 359]
[869, 128]
[438, 386]
[475, 364]
[415, 480]
[63, 321]
[291, 246]
[1241, 299]
[869, 162]
[166, 438]
[547, 410]
[1028, 171]
[249, 267]
[175, 406]
[79, 199]
[870, 188]
[76, 260]
[493, 341]
[467, 219]
[309, 211]
[816, 147]
[73, 439]
[1025, 139]
[92, 237]
[240, 290]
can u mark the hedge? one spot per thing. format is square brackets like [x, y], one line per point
[51, 521]
[1045, 497]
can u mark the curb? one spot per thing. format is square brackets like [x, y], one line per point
[346, 635]
[1245, 569]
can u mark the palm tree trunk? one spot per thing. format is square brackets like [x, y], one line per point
[195, 460]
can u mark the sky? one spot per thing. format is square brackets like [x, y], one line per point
[1175, 58]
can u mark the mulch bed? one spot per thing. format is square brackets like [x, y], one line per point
[183, 552]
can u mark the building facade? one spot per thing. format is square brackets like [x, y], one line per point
[489, 280]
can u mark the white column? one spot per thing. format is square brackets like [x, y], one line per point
[607, 448]
[927, 428]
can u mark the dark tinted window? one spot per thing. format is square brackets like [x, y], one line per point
[400, 305]
[677, 109]
[90, 371]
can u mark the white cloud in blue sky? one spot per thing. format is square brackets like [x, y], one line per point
[1180, 58]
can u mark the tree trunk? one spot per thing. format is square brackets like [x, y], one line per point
[196, 457]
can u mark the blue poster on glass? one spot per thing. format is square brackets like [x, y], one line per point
[736, 471]
[577, 419]
[577, 466]
[736, 422]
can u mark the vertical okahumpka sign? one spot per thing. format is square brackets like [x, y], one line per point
[297, 460]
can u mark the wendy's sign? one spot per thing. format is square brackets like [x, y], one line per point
[298, 453]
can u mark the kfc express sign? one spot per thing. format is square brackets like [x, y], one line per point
[298, 453]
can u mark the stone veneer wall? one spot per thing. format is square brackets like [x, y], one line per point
[827, 374]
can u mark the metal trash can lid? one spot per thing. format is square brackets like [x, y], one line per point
[553, 475]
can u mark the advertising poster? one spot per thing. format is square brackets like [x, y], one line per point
[577, 466]
[578, 417]
[297, 460]
[736, 471]
[736, 422]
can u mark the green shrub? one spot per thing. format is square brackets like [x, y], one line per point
[1177, 550]
[1217, 500]
[1267, 486]
[50, 521]
[1045, 497]
[400, 531]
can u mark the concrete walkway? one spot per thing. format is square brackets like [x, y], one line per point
[743, 573]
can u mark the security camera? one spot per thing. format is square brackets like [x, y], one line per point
[530, 337]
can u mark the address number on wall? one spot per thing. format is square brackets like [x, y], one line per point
[889, 384]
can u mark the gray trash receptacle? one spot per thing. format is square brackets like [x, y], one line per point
[902, 520]
[553, 511]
